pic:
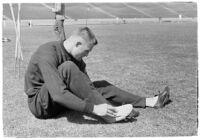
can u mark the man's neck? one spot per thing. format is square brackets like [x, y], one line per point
[67, 47]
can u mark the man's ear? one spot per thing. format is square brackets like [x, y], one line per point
[78, 44]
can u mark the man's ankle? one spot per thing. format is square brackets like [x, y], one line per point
[150, 102]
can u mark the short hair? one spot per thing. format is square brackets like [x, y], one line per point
[86, 34]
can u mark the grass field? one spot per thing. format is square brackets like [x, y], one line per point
[140, 58]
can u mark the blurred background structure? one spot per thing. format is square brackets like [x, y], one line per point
[104, 13]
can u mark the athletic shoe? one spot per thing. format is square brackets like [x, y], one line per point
[122, 112]
[163, 98]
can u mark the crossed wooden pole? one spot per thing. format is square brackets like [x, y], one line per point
[18, 48]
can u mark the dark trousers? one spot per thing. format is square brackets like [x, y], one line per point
[98, 92]
[59, 30]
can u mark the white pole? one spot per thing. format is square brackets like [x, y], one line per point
[20, 57]
[19, 33]
[13, 16]
[15, 25]
[18, 50]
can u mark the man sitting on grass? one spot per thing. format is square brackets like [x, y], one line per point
[56, 80]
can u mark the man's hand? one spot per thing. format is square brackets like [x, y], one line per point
[105, 110]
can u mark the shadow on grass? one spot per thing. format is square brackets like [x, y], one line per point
[79, 118]
[85, 118]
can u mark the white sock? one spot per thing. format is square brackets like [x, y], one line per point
[150, 102]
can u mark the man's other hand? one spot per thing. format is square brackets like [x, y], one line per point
[105, 110]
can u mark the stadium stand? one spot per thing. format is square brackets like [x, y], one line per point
[95, 10]
[94, 13]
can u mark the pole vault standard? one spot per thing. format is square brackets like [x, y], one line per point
[50, 8]
[18, 48]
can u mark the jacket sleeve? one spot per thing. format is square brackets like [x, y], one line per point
[58, 89]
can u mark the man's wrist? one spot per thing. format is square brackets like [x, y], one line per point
[89, 107]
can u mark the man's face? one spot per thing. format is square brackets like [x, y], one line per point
[81, 49]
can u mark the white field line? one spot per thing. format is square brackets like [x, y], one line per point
[47, 6]
[140, 11]
[102, 11]
[50, 8]
[169, 9]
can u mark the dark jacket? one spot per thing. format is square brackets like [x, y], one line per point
[42, 69]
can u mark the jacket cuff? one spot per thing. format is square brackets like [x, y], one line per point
[89, 106]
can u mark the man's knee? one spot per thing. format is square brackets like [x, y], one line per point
[68, 68]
